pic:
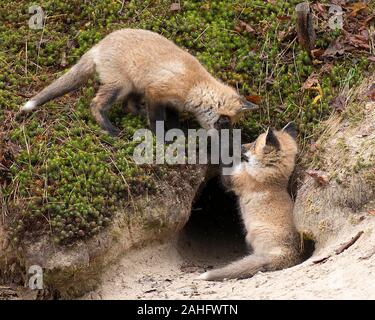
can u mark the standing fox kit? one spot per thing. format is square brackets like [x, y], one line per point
[260, 182]
[141, 63]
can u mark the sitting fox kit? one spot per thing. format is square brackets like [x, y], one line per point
[260, 183]
[132, 62]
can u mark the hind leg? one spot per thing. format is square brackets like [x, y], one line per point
[100, 105]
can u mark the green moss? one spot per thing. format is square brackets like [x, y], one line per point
[70, 178]
[75, 181]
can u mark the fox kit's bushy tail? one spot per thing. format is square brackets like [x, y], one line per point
[70, 81]
[245, 268]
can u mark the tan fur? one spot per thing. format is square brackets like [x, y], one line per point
[266, 208]
[138, 61]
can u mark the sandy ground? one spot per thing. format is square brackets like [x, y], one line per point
[168, 271]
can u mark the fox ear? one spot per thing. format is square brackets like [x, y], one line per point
[271, 139]
[290, 128]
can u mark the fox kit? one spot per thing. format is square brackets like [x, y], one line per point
[260, 182]
[133, 62]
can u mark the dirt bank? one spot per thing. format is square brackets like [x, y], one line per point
[335, 208]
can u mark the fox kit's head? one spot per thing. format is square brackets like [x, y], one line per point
[231, 106]
[271, 157]
[219, 105]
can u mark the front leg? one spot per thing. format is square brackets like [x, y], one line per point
[239, 179]
[172, 118]
[156, 112]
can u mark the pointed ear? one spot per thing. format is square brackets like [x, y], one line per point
[271, 139]
[248, 106]
[290, 128]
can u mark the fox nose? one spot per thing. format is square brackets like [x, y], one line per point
[223, 122]
[243, 150]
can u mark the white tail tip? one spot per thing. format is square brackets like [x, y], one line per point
[203, 276]
[28, 106]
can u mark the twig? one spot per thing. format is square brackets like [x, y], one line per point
[368, 255]
[38, 66]
[41, 39]
[3, 168]
[343, 247]
[122, 7]
[24, 95]
[348, 244]
[3, 205]
[26, 143]
[201, 34]
[26, 59]
[321, 260]
[138, 14]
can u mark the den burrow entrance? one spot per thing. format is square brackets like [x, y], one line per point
[214, 234]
